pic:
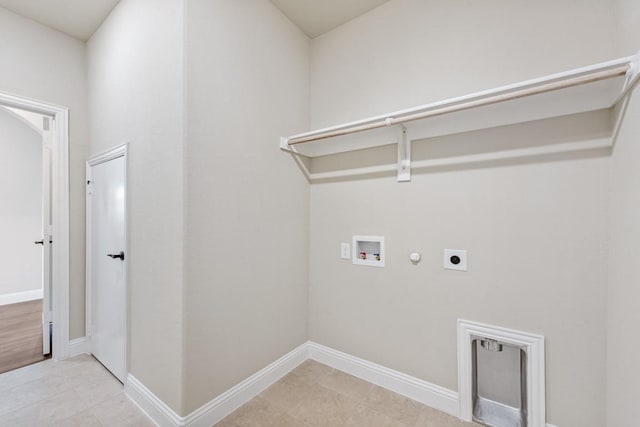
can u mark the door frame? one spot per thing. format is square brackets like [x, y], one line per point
[59, 214]
[114, 153]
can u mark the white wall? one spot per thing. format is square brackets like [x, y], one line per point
[21, 207]
[411, 52]
[246, 226]
[623, 372]
[135, 80]
[43, 64]
[247, 203]
[536, 230]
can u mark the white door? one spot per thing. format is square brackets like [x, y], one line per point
[107, 262]
[46, 235]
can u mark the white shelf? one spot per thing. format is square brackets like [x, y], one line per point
[597, 87]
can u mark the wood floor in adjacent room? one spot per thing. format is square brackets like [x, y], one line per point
[20, 335]
[317, 395]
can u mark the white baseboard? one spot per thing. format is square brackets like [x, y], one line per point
[14, 298]
[424, 392]
[79, 346]
[235, 397]
[150, 404]
[209, 414]
[214, 411]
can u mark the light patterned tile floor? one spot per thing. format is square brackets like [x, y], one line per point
[76, 392]
[80, 392]
[315, 395]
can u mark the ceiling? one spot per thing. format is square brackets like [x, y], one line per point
[316, 17]
[77, 18]
[81, 18]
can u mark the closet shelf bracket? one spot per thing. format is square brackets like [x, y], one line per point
[404, 154]
[631, 82]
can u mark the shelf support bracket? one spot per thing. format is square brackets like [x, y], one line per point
[404, 154]
[284, 146]
[633, 78]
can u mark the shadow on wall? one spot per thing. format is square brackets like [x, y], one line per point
[573, 137]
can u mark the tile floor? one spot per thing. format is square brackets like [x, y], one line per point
[78, 392]
[317, 395]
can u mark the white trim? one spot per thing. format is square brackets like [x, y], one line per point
[79, 346]
[419, 390]
[430, 394]
[214, 411]
[59, 214]
[238, 395]
[161, 414]
[114, 153]
[18, 297]
[60, 233]
[47, 287]
[534, 345]
[209, 414]
[87, 255]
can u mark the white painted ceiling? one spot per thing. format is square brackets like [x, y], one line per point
[77, 18]
[316, 17]
[81, 18]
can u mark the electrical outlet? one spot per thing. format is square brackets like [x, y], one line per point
[455, 259]
[345, 251]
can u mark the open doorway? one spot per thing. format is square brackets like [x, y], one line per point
[25, 245]
[34, 231]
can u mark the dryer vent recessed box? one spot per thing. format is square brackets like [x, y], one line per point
[368, 250]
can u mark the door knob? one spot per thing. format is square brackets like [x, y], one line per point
[39, 242]
[114, 256]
